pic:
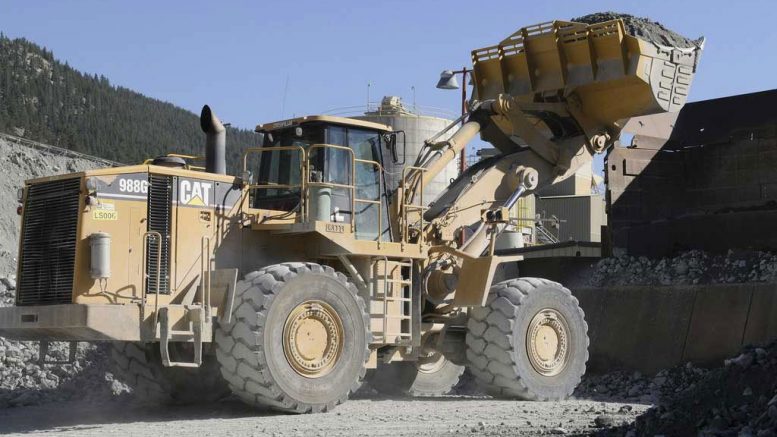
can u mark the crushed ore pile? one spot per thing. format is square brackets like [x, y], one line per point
[692, 267]
[644, 28]
[737, 399]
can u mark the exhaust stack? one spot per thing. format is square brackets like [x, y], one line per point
[215, 141]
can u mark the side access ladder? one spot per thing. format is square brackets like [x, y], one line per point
[397, 281]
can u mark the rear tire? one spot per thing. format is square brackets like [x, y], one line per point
[139, 365]
[529, 342]
[417, 379]
[298, 341]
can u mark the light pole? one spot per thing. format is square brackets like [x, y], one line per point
[448, 82]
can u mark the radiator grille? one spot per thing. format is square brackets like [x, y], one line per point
[48, 243]
[160, 206]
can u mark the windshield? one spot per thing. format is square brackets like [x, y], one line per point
[283, 167]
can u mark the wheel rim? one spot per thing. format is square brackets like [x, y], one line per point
[547, 342]
[313, 338]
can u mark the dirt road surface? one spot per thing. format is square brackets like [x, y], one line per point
[362, 417]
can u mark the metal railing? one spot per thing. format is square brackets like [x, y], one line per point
[306, 183]
[378, 109]
[408, 205]
[350, 186]
[205, 279]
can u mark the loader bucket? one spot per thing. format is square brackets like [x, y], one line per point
[612, 75]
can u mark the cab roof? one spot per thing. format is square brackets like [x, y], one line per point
[344, 121]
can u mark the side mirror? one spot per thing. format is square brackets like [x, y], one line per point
[391, 144]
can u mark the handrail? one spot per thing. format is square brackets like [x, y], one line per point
[306, 183]
[352, 177]
[205, 273]
[406, 207]
[374, 202]
[385, 294]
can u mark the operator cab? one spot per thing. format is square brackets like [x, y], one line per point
[343, 155]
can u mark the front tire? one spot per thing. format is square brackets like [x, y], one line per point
[529, 342]
[299, 339]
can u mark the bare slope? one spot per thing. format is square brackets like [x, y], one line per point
[17, 164]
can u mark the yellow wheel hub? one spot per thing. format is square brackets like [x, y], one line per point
[313, 338]
[547, 342]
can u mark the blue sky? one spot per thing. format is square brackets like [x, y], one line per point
[237, 55]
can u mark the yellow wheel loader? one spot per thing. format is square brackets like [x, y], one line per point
[284, 284]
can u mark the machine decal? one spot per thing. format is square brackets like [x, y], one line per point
[338, 229]
[105, 211]
[105, 214]
[194, 193]
[188, 192]
[198, 193]
[128, 186]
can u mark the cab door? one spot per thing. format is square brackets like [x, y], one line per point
[371, 218]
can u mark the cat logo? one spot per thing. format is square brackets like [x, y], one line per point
[194, 193]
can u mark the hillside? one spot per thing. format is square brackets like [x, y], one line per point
[46, 100]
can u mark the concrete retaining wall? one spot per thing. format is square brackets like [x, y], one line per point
[652, 328]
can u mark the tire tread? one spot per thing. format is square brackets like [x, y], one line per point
[494, 365]
[253, 382]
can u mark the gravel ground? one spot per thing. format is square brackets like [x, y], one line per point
[368, 417]
[644, 28]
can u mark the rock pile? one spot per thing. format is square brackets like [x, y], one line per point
[24, 381]
[692, 267]
[737, 399]
[635, 387]
[7, 291]
[640, 27]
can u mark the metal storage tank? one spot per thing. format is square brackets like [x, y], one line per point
[417, 128]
